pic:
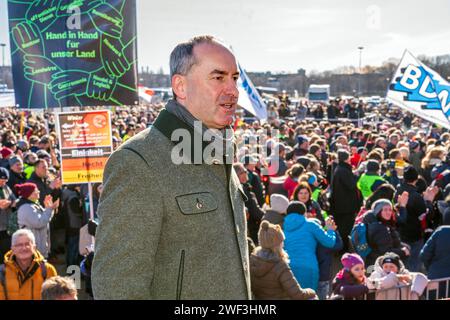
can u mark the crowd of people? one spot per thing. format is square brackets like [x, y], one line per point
[372, 196]
[33, 198]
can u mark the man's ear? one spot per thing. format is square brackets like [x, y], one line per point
[179, 86]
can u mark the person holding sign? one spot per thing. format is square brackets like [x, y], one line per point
[170, 229]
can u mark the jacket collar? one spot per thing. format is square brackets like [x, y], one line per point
[345, 165]
[10, 260]
[167, 123]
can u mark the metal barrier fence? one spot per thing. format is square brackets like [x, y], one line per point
[402, 292]
[438, 289]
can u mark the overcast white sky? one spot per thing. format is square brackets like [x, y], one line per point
[287, 35]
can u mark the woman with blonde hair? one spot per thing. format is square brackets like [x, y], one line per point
[271, 276]
[434, 157]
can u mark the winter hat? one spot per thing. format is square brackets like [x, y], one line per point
[372, 166]
[413, 145]
[301, 140]
[312, 179]
[6, 152]
[391, 257]
[26, 189]
[23, 145]
[14, 160]
[4, 174]
[279, 203]
[270, 235]
[410, 174]
[349, 260]
[361, 150]
[296, 207]
[42, 154]
[378, 205]
[304, 161]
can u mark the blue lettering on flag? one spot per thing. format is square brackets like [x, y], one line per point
[248, 88]
[422, 85]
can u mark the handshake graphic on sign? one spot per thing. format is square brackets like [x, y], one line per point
[40, 66]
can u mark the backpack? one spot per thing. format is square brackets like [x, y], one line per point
[360, 240]
[42, 266]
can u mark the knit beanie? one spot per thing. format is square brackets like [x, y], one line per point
[378, 205]
[26, 189]
[270, 235]
[4, 173]
[391, 257]
[6, 152]
[410, 174]
[296, 207]
[349, 260]
[279, 203]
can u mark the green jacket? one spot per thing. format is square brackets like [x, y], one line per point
[366, 182]
[169, 231]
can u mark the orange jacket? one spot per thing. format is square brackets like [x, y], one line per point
[24, 286]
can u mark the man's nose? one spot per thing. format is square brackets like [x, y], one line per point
[232, 88]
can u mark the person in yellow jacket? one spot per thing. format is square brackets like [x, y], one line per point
[24, 269]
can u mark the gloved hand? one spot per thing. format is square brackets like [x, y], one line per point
[27, 38]
[69, 83]
[39, 69]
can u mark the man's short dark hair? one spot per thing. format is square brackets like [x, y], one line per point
[343, 155]
[182, 57]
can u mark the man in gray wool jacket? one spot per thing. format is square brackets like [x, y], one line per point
[171, 219]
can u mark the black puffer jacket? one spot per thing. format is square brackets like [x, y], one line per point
[382, 238]
[410, 228]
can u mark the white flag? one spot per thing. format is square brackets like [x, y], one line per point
[249, 98]
[420, 90]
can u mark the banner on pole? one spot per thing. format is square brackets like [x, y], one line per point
[420, 90]
[73, 52]
[249, 98]
[86, 144]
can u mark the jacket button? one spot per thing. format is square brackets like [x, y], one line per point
[199, 204]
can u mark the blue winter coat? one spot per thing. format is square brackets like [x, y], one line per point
[436, 253]
[325, 258]
[302, 237]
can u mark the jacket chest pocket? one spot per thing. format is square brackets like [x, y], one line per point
[196, 203]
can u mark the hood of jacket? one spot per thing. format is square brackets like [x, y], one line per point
[369, 217]
[379, 267]
[293, 221]
[263, 262]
